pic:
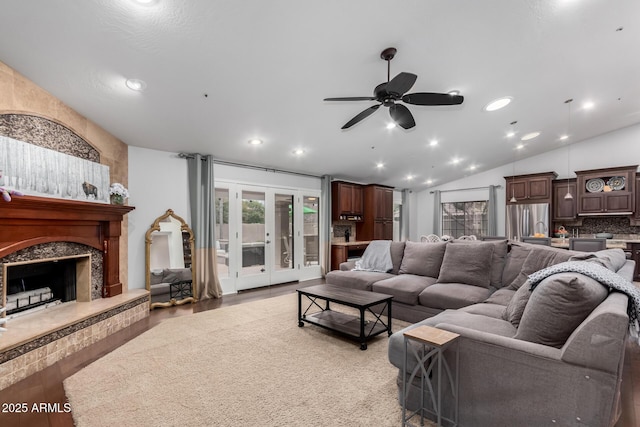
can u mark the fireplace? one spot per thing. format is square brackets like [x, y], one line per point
[29, 221]
[33, 285]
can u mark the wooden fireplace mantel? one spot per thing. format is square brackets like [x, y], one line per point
[31, 220]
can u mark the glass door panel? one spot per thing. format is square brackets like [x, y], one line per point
[311, 221]
[284, 258]
[222, 231]
[253, 233]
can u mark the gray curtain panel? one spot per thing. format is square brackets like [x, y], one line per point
[492, 214]
[404, 231]
[437, 212]
[325, 223]
[201, 200]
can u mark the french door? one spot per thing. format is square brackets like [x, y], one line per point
[267, 235]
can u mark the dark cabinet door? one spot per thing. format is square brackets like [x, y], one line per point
[346, 198]
[534, 188]
[564, 209]
[383, 230]
[383, 203]
[539, 188]
[357, 200]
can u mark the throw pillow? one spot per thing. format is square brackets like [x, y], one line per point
[557, 306]
[467, 263]
[422, 259]
[516, 306]
[498, 258]
[513, 264]
[612, 259]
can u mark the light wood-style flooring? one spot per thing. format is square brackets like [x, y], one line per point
[46, 385]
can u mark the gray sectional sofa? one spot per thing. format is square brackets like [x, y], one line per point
[551, 356]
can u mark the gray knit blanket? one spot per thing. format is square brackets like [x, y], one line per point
[605, 277]
[377, 257]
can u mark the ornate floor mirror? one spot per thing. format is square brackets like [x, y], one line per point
[169, 264]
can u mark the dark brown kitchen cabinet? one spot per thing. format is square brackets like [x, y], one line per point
[346, 201]
[378, 214]
[607, 191]
[564, 209]
[532, 188]
[635, 219]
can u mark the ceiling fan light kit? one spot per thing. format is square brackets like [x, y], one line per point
[392, 92]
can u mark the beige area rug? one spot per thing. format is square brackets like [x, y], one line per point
[243, 365]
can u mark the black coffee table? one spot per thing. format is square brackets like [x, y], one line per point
[347, 324]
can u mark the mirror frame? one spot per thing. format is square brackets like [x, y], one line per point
[184, 228]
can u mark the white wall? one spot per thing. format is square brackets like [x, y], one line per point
[618, 148]
[158, 181]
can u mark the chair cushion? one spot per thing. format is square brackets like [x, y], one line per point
[452, 295]
[405, 288]
[468, 262]
[422, 259]
[356, 279]
[557, 306]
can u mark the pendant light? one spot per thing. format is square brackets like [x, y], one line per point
[568, 196]
[513, 173]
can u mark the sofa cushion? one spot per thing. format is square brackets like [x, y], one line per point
[467, 263]
[513, 264]
[160, 289]
[172, 275]
[501, 297]
[422, 259]
[397, 251]
[495, 311]
[516, 306]
[557, 306]
[612, 259]
[498, 259]
[356, 279]
[452, 295]
[405, 288]
[539, 257]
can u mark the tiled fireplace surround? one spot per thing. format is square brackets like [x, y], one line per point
[38, 228]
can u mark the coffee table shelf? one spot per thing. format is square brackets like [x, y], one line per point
[353, 326]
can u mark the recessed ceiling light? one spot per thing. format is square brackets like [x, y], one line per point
[144, 1]
[380, 165]
[429, 181]
[136, 84]
[529, 136]
[298, 152]
[498, 103]
[588, 105]
[454, 92]
[255, 141]
[455, 160]
[433, 142]
[519, 146]
[391, 125]
[410, 177]
[472, 167]
[511, 134]
[564, 137]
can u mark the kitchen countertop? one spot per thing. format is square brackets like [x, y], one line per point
[359, 242]
[557, 242]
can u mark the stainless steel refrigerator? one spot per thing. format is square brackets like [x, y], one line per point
[526, 220]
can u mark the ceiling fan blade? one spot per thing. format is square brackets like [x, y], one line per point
[402, 116]
[352, 98]
[364, 114]
[427, 98]
[401, 83]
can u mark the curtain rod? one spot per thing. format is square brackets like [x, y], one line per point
[247, 166]
[467, 189]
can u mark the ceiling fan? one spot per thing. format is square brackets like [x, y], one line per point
[393, 91]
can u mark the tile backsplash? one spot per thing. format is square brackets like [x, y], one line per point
[339, 228]
[618, 226]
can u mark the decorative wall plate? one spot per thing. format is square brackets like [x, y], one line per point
[616, 182]
[595, 185]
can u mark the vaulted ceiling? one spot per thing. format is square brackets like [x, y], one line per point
[219, 73]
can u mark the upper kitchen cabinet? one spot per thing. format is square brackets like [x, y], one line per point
[635, 219]
[607, 191]
[346, 201]
[378, 217]
[564, 210]
[533, 188]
